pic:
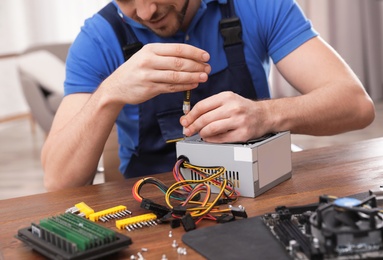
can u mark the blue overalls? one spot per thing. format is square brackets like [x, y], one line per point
[159, 117]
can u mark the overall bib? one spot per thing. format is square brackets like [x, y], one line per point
[159, 117]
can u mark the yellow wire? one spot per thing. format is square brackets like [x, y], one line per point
[207, 206]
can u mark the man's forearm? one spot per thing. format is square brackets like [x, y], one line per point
[325, 111]
[333, 98]
[75, 143]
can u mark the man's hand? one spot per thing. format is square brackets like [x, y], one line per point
[83, 122]
[332, 101]
[226, 117]
[158, 68]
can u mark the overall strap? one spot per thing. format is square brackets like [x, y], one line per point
[124, 33]
[231, 31]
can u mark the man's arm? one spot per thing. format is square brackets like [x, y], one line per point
[75, 143]
[333, 101]
[83, 121]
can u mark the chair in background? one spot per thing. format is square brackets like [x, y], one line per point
[110, 158]
[42, 72]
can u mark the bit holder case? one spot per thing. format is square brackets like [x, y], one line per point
[253, 167]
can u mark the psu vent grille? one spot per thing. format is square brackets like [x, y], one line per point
[231, 176]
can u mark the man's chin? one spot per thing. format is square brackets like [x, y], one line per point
[164, 32]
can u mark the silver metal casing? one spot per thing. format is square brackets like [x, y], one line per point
[252, 167]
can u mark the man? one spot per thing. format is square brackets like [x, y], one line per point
[186, 48]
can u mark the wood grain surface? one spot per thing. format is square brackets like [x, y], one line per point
[340, 171]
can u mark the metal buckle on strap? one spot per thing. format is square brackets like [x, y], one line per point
[231, 31]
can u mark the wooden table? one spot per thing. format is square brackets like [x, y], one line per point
[339, 171]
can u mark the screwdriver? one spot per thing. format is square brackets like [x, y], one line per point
[186, 105]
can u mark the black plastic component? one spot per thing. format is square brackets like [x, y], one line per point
[168, 217]
[223, 201]
[188, 222]
[283, 212]
[238, 212]
[175, 223]
[183, 157]
[157, 209]
[52, 252]
[231, 31]
[224, 218]
[179, 210]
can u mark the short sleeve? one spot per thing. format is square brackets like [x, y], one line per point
[285, 27]
[93, 56]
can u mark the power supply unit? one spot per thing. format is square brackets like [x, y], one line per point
[252, 167]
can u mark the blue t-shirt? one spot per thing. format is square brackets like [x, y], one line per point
[270, 29]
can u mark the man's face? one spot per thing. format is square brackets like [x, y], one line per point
[163, 17]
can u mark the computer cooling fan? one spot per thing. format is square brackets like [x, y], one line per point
[335, 228]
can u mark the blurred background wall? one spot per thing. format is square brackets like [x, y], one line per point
[27, 23]
[352, 27]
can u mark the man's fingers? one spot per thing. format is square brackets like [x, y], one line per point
[178, 64]
[172, 88]
[177, 77]
[201, 108]
[180, 50]
[203, 114]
